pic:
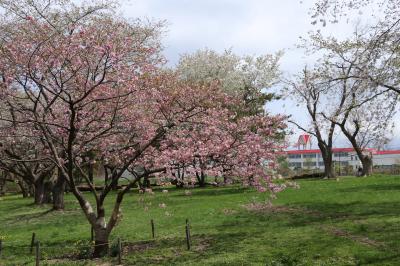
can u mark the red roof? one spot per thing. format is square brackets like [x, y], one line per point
[302, 151]
[388, 152]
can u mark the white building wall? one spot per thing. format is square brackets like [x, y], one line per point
[305, 161]
[386, 159]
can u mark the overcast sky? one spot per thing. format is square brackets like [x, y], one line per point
[247, 26]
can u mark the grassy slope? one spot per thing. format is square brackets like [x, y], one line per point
[352, 222]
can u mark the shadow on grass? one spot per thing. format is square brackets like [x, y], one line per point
[372, 187]
[12, 206]
[311, 213]
[381, 260]
[31, 216]
[212, 191]
[352, 210]
[49, 212]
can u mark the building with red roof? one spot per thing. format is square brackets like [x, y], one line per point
[308, 158]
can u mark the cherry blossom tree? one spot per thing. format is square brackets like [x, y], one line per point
[70, 86]
[22, 156]
[310, 90]
[366, 125]
[93, 85]
[360, 108]
[22, 159]
[221, 146]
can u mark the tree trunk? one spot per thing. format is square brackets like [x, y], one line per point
[39, 193]
[42, 192]
[326, 152]
[25, 190]
[179, 178]
[201, 179]
[101, 236]
[48, 186]
[3, 185]
[366, 162]
[115, 186]
[226, 180]
[329, 170]
[177, 183]
[91, 172]
[366, 159]
[58, 193]
[146, 181]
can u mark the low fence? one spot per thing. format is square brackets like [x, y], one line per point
[393, 170]
[37, 249]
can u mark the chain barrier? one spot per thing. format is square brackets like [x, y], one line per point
[20, 246]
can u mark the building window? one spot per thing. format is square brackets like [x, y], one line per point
[309, 164]
[321, 164]
[310, 155]
[295, 165]
[341, 154]
[294, 156]
[343, 163]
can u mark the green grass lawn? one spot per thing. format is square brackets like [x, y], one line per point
[355, 221]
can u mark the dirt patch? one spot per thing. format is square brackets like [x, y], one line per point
[229, 211]
[96, 262]
[360, 239]
[202, 243]
[137, 247]
[269, 208]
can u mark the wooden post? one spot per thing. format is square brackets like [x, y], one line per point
[37, 253]
[188, 224]
[91, 233]
[152, 228]
[187, 234]
[119, 251]
[33, 241]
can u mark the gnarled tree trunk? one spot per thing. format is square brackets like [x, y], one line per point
[201, 178]
[366, 162]
[179, 177]
[101, 235]
[91, 172]
[366, 159]
[39, 195]
[2, 186]
[97, 221]
[26, 189]
[329, 170]
[58, 192]
[42, 192]
[326, 152]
